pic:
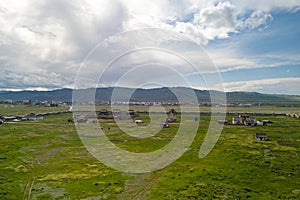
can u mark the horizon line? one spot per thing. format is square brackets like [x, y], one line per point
[39, 89]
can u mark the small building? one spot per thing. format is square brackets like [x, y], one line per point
[237, 121]
[260, 123]
[250, 122]
[223, 121]
[165, 125]
[171, 116]
[70, 120]
[244, 116]
[90, 116]
[94, 121]
[105, 114]
[132, 113]
[138, 121]
[267, 121]
[261, 136]
[32, 116]
[170, 120]
[81, 121]
[9, 118]
[78, 117]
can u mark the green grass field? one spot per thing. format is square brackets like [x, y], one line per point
[46, 160]
[20, 109]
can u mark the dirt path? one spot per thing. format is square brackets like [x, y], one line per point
[30, 182]
[137, 188]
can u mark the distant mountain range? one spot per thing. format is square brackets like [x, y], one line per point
[147, 95]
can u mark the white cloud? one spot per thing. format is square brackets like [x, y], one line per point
[216, 21]
[266, 6]
[42, 37]
[229, 58]
[271, 86]
[257, 19]
[25, 80]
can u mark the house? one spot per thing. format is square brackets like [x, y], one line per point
[267, 121]
[237, 120]
[94, 121]
[165, 125]
[78, 117]
[222, 121]
[132, 113]
[9, 118]
[171, 116]
[170, 120]
[27, 102]
[261, 136]
[138, 121]
[244, 116]
[260, 123]
[70, 120]
[90, 116]
[32, 116]
[250, 121]
[81, 121]
[105, 114]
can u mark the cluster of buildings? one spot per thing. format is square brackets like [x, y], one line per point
[117, 114]
[104, 114]
[247, 120]
[293, 115]
[31, 116]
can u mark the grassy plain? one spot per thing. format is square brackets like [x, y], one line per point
[21, 109]
[46, 160]
[250, 109]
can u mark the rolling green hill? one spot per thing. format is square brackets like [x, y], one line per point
[146, 95]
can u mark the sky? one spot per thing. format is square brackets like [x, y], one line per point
[235, 45]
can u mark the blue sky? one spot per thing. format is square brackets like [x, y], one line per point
[276, 49]
[255, 45]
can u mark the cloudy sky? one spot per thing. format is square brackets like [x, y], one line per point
[255, 45]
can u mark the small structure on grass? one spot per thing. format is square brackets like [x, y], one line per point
[105, 114]
[132, 113]
[244, 116]
[138, 121]
[237, 121]
[260, 123]
[81, 121]
[267, 121]
[250, 121]
[165, 125]
[78, 117]
[9, 118]
[223, 121]
[171, 116]
[261, 136]
[32, 116]
[70, 120]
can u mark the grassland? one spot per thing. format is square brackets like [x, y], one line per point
[21, 109]
[250, 109]
[46, 160]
